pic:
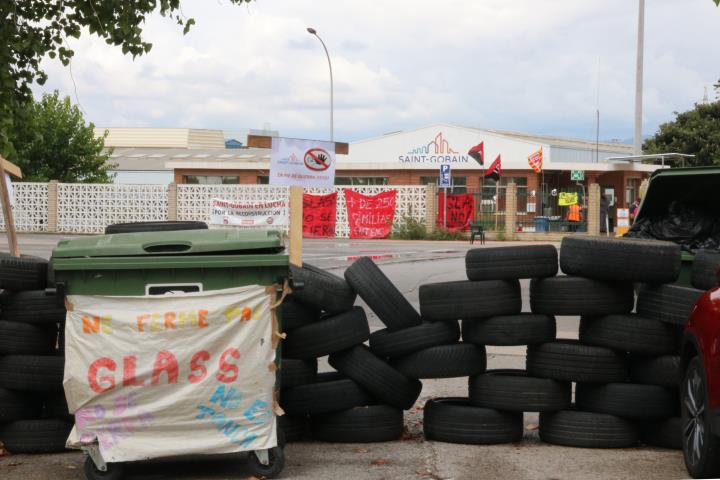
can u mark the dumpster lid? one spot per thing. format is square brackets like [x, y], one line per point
[695, 187]
[184, 242]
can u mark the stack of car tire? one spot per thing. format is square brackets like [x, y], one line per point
[33, 413]
[626, 366]
[363, 400]
[488, 305]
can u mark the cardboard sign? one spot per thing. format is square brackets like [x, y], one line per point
[319, 215]
[460, 211]
[567, 198]
[177, 374]
[623, 217]
[307, 163]
[370, 216]
[258, 214]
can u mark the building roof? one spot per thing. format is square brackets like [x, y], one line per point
[550, 140]
[162, 137]
[156, 158]
[562, 142]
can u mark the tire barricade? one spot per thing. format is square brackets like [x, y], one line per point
[625, 368]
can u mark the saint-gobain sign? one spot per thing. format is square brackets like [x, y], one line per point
[307, 163]
[438, 150]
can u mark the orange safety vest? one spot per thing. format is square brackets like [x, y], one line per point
[574, 213]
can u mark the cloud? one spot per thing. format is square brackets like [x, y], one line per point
[521, 65]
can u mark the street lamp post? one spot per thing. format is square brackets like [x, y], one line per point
[637, 150]
[312, 31]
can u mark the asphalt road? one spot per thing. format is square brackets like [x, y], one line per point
[408, 264]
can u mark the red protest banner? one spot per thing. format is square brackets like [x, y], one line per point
[370, 216]
[319, 215]
[460, 211]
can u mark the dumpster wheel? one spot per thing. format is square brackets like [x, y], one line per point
[265, 463]
[114, 471]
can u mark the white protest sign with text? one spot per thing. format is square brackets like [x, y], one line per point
[307, 163]
[250, 214]
[177, 374]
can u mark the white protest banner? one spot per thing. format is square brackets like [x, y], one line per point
[177, 374]
[264, 213]
[307, 163]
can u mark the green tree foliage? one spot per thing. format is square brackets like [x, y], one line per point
[32, 29]
[54, 143]
[696, 131]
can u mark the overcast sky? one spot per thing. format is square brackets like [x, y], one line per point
[524, 65]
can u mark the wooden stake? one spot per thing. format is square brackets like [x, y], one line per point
[7, 210]
[296, 221]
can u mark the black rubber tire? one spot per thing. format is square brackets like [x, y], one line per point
[293, 428]
[667, 303]
[630, 333]
[322, 289]
[158, 226]
[572, 428]
[515, 391]
[627, 400]
[17, 406]
[707, 465]
[22, 273]
[443, 361]
[32, 373]
[665, 370]
[35, 436]
[374, 423]
[275, 466]
[115, 471]
[624, 260]
[509, 330]
[25, 339]
[295, 314]
[663, 433]
[295, 372]
[324, 396]
[377, 376]
[332, 334]
[569, 361]
[383, 298]
[466, 299]
[580, 296]
[385, 343]
[705, 269]
[510, 263]
[455, 420]
[32, 306]
[55, 406]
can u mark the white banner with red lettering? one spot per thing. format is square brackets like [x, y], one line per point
[258, 214]
[177, 374]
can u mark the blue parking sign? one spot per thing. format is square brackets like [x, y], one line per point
[445, 176]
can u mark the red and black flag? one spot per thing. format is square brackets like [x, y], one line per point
[478, 152]
[495, 170]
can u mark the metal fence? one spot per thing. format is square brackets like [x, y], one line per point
[535, 212]
[543, 214]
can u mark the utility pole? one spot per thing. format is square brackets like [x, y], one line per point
[639, 79]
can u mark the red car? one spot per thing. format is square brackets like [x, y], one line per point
[700, 389]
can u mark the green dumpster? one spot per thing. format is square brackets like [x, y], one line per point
[155, 262]
[695, 187]
[172, 345]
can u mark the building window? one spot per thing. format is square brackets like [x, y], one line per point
[459, 183]
[211, 180]
[263, 180]
[353, 181]
[489, 187]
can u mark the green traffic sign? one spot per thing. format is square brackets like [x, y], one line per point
[577, 175]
